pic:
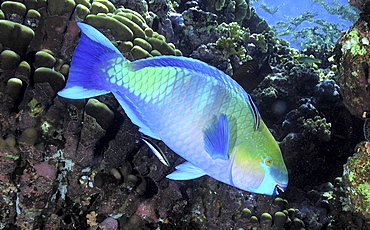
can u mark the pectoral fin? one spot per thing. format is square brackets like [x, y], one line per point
[186, 171]
[217, 138]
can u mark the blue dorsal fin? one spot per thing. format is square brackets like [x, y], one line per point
[85, 78]
[186, 171]
[182, 62]
[217, 138]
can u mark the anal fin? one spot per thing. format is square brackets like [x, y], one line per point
[186, 171]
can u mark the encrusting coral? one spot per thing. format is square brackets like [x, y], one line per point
[15, 36]
[79, 163]
[356, 179]
[131, 33]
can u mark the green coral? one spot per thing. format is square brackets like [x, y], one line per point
[100, 112]
[239, 8]
[14, 11]
[138, 52]
[317, 127]
[11, 156]
[54, 78]
[85, 3]
[137, 30]
[356, 48]
[9, 144]
[13, 87]
[60, 7]
[238, 32]
[81, 11]
[219, 4]
[162, 46]
[111, 8]
[261, 43]
[9, 60]
[33, 18]
[120, 31]
[279, 220]
[45, 127]
[44, 58]
[278, 217]
[35, 107]
[28, 136]
[364, 191]
[132, 34]
[35, 4]
[353, 44]
[15, 36]
[356, 178]
[232, 39]
[266, 218]
[242, 10]
[23, 69]
[229, 46]
[97, 7]
[143, 43]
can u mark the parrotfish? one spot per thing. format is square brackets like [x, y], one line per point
[308, 60]
[198, 111]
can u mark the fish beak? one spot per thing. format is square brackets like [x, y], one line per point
[279, 189]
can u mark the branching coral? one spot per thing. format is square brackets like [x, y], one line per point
[236, 37]
[228, 44]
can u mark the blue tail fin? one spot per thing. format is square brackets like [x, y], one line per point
[90, 56]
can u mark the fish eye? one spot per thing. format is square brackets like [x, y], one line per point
[268, 162]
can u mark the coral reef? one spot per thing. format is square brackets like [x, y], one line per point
[352, 54]
[80, 164]
[15, 36]
[356, 179]
[231, 10]
[131, 33]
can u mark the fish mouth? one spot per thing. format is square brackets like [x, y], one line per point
[279, 188]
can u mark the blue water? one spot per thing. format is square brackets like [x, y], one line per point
[340, 18]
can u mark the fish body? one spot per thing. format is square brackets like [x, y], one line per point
[366, 128]
[308, 60]
[250, 74]
[195, 109]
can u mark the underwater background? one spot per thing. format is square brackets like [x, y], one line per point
[80, 164]
[307, 21]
